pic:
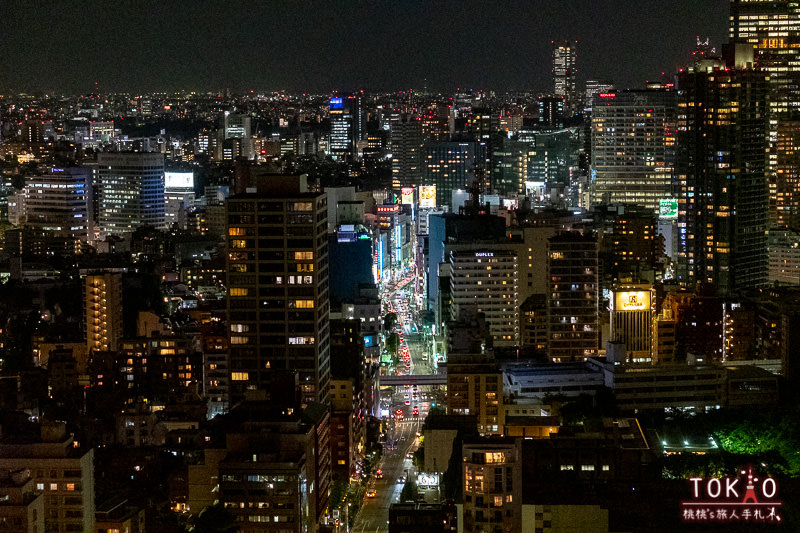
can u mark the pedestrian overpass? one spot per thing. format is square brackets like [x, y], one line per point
[413, 379]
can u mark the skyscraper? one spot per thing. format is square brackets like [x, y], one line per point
[772, 28]
[131, 191]
[633, 146]
[451, 165]
[406, 147]
[59, 203]
[723, 136]
[565, 69]
[277, 266]
[573, 286]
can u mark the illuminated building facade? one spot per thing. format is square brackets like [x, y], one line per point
[451, 165]
[772, 28]
[632, 311]
[178, 198]
[633, 146]
[572, 297]
[59, 203]
[787, 180]
[103, 304]
[436, 122]
[492, 474]
[722, 216]
[131, 192]
[277, 280]
[487, 282]
[565, 70]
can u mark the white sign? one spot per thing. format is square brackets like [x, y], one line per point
[179, 180]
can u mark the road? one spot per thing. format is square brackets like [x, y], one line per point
[402, 430]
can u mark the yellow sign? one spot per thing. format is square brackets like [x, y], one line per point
[632, 301]
[427, 195]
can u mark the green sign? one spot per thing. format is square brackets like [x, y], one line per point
[668, 208]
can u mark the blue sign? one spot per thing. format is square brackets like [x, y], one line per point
[336, 103]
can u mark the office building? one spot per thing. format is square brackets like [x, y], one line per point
[103, 304]
[771, 29]
[572, 297]
[131, 192]
[786, 198]
[722, 221]
[277, 280]
[452, 165]
[565, 70]
[178, 198]
[551, 111]
[633, 146]
[58, 204]
[406, 148]
[235, 126]
[437, 122]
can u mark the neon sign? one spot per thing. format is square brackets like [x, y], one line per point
[746, 498]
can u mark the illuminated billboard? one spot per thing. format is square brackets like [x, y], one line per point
[178, 180]
[632, 301]
[667, 208]
[427, 195]
[407, 195]
[337, 103]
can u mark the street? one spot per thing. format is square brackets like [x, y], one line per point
[408, 406]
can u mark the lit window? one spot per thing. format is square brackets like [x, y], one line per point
[304, 255]
[240, 376]
[238, 339]
[587, 468]
[53, 486]
[238, 291]
[70, 487]
[304, 304]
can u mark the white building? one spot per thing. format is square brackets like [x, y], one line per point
[487, 282]
[178, 198]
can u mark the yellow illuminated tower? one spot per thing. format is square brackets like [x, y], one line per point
[103, 304]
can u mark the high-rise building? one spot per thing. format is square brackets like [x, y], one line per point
[723, 136]
[103, 305]
[437, 122]
[277, 266]
[551, 111]
[633, 146]
[787, 179]
[235, 126]
[131, 191]
[178, 198]
[406, 148]
[348, 123]
[565, 69]
[59, 203]
[572, 296]
[486, 281]
[772, 29]
[451, 165]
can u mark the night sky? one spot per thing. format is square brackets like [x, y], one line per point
[316, 46]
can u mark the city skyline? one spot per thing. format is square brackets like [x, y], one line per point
[321, 47]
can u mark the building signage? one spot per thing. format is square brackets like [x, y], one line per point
[667, 208]
[407, 195]
[632, 301]
[427, 195]
[484, 254]
[746, 498]
[337, 103]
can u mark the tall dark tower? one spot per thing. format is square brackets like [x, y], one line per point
[565, 70]
[277, 280]
[723, 135]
